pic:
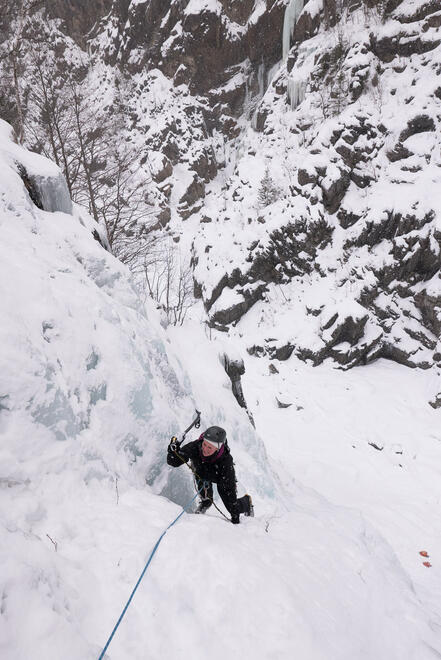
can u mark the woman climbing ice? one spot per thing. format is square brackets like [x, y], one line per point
[212, 463]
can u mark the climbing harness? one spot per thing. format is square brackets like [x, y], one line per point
[144, 571]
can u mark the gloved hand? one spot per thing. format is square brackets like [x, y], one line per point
[235, 519]
[174, 445]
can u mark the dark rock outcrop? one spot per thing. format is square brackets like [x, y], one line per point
[419, 124]
[430, 308]
[436, 401]
[30, 187]
[421, 12]
[235, 369]
[249, 296]
[282, 353]
[80, 17]
[399, 152]
[190, 202]
[161, 169]
[347, 329]
[401, 45]
[335, 190]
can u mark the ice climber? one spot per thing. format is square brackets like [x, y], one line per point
[212, 463]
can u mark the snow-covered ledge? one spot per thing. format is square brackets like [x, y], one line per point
[43, 179]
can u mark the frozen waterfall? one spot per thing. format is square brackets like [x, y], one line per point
[292, 13]
[53, 192]
[296, 92]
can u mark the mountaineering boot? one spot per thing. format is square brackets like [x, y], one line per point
[250, 509]
[203, 506]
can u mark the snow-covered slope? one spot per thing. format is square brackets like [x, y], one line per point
[90, 393]
[91, 389]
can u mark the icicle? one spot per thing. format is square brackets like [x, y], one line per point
[296, 92]
[261, 91]
[254, 120]
[261, 79]
[292, 13]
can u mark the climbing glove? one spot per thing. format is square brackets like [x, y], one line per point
[174, 445]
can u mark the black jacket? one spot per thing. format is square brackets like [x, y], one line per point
[215, 469]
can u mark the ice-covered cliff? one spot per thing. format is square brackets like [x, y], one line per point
[90, 392]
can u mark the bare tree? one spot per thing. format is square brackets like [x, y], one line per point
[184, 298]
[124, 203]
[15, 24]
[92, 147]
[331, 80]
[58, 114]
[102, 171]
[50, 128]
[169, 281]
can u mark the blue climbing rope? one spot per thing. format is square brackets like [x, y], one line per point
[145, 569]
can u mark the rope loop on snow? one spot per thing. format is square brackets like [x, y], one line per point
[145, 569]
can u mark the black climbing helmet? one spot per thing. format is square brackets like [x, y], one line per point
[215, 436]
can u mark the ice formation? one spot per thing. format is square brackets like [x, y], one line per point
[292, 13]
[44, 175]
[296, 92]
[54, 193]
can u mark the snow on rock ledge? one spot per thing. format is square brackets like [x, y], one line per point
[43, 180]
[357, 215]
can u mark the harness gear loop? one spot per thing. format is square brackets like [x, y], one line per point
[205, 487]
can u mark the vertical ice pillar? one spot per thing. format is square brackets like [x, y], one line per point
[296, 92]
[54, 193]
[292, 13]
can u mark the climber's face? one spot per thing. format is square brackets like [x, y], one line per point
[207, 448]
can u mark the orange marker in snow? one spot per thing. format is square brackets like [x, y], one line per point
[427, 563]
[423, 553]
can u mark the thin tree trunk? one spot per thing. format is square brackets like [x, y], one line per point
[18, 98]
[49, 115]
[84, 157]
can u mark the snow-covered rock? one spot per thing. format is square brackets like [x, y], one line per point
[346, 126]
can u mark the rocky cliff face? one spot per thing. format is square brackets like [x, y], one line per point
[194, 70]
[348, 240]
[307, 187]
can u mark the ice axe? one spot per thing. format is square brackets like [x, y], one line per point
[195, 424]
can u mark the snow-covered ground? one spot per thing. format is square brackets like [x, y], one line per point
[330, 570]
[366, 440]
[358, 458]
